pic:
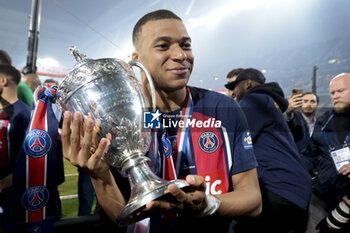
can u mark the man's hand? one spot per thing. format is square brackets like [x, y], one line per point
[192, 201]
[294, 102]
[78, 151]
[345, 170]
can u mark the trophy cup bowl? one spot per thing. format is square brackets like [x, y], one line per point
[106, 89]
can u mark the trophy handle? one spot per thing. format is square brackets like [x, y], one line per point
[150, 80]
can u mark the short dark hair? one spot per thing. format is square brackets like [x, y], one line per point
[11, 72]
[50, 80]
[234, 72]
[5, 58]
[311, 93]
[155, 15]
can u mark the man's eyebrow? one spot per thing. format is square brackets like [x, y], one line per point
[169, 39]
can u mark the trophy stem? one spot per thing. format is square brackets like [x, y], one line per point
[142, 180]
[145, 187]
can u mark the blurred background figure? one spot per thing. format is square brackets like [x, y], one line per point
[26, 88]
[231, 76]
[301, 117]
[51, 82]
[14, 120]
[284, 182]
[5, 59]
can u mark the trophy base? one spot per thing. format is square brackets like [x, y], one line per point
[128, 214]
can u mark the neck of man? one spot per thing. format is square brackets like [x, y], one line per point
[309, 116]
[8, 97]
[166, 101]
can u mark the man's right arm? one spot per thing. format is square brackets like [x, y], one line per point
[109, 196]
[294, 102]
[77, 151]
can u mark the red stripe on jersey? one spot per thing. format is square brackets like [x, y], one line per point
[211, 164]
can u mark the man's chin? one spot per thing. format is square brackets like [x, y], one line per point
[308, 113]
[341, 108]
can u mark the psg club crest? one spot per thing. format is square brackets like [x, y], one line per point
[35, 198]
[209, 142]
[37, 143]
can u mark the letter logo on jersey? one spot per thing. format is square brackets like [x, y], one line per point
[37, 143]
[35, 198]
[209, 142]
[247, 140]
[151, 120]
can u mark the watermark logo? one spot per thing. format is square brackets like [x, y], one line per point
[151, 120]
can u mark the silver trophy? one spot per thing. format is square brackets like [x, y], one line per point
[106, 89]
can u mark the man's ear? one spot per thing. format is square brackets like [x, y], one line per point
[3, 80]
[135, 55]
[248, 84]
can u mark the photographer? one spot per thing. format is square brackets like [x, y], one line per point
[329, 153]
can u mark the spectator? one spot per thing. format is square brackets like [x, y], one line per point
[328, 152]
[301, 118]
[284, 182]
[51, 82]
[14, 120]
[163, 45]
[232, 75]
[26, 88]
[5, 59]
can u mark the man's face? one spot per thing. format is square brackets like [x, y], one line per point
[309, 104]
[339, 90]
[229, 80]
[240, 90]
[165, 50]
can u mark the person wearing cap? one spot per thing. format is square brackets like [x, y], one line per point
[231, 76]
[285, 183]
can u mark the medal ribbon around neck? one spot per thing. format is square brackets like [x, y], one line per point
[170, 170]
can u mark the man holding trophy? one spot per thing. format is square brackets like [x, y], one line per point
[203, 139]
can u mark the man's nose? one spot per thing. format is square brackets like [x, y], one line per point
[178, 53]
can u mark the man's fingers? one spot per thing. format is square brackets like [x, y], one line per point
[76, 134]
[95, 135]
[86, 143]
[65, 134]
[196, 181]
[101, 149]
